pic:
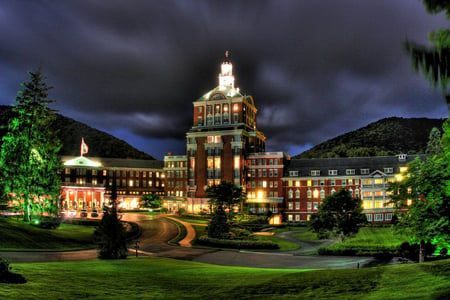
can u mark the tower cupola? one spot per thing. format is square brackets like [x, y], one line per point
[226, 78]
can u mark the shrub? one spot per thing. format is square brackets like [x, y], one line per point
[242, 234]
[236, 244]
[4, 267]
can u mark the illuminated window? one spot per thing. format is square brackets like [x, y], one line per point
[367, 204]
[297, 183]
[408, 202]
[290, 206]
[379, 181]
[367, 194]
[264, 184]
[217, 162]
[237, 162]
[316, 205]
[378, 204]
[367, 181]
[316, 194]
[214, 139]
[297, 194]
[309, 183]
[403, 169]
[350, 181]
[210, 163]
[235, 107]
[290, 183]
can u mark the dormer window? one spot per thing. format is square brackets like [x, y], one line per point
[332, 172]
[293, 173]
[402, 157]
[315, 172]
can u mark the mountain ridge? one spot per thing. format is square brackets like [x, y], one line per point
[388, 136]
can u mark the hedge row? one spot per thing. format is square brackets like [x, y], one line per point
[236, 244]
[359, 251]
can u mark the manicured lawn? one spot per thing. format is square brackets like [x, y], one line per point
[190, 220]
[160, 278]
[372, 236]
[16, 235]
[282, 243]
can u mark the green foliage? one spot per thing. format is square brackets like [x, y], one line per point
[433, 62]
[150, 201]
[110, 235]
[427, 186]
[236, 244]
[218, 227]
[29, 156]
[388, 136]
[434, 145]
[339, 215]
[226, 195]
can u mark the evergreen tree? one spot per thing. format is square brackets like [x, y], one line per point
[29, 156]
[219, 227]
[339, 215]
[434, 143]
[110, 235]
[434, 62]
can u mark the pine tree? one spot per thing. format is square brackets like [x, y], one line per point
[29, 155]
[110, 235]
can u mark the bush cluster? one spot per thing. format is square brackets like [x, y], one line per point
[236, 244]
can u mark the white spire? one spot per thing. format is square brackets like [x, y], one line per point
[226, 78]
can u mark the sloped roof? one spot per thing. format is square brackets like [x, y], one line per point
[115, 162]
[228, 92]
[305, 166]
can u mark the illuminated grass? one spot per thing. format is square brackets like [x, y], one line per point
[371, 237]
[159, 278]
[16, 235]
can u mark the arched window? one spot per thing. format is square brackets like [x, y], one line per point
[290, 194]
[322, 194]
[297, 194]
[309, 194]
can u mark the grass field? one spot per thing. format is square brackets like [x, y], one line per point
[16, 235]
[160, 278]
[372, 236]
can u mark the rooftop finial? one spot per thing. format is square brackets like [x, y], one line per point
[226, 54]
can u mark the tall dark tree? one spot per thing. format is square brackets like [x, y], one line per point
[434, 61]
[226, 195]
[219, 227]
[29, 156]
[339, 215]
[110, 235]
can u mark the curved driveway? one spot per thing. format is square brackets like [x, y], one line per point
[157, 231]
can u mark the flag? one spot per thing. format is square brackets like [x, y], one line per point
[84, 147]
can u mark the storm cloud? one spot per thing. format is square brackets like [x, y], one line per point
[316, 69]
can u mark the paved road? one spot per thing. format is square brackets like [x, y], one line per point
[157, 231]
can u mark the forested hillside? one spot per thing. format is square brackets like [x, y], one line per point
[70, 132]
[388, 136]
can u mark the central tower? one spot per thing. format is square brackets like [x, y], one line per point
[223, 133]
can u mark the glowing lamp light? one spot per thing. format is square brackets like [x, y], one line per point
[259, 194]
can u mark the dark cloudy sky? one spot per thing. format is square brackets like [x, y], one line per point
[316, 69]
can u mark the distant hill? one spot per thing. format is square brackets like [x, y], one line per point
[100, 143]
[388, 136]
